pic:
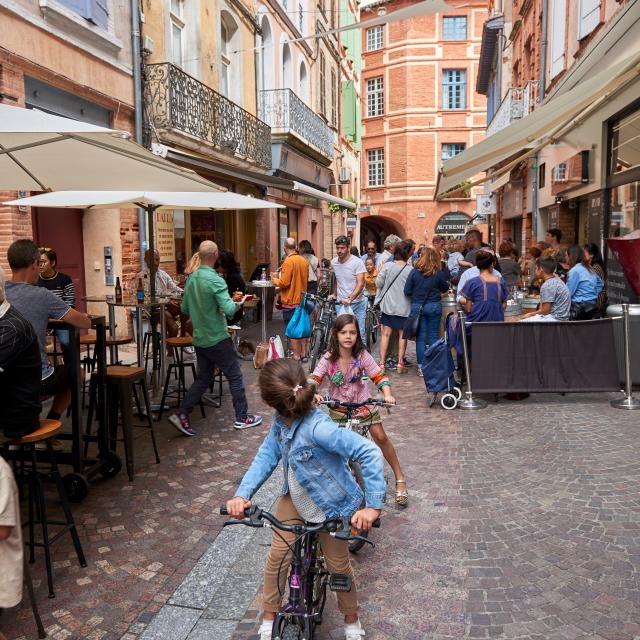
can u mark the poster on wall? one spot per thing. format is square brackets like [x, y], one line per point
[165, 240]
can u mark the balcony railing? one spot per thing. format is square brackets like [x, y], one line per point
[176, 100]
[286, 113]
[517, 103]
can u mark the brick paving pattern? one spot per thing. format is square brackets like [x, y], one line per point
[524, 522]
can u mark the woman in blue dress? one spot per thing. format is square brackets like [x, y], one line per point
[483, 297]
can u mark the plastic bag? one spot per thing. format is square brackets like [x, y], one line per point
[345, 308]
[300, 324]
[276, 348]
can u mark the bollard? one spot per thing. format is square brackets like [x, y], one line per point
[628, 402]
[469, 402]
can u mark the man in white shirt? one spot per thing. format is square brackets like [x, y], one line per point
[349, 278]
[165, 288]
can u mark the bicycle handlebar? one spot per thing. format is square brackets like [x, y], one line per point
[254, 517]
[334, 404]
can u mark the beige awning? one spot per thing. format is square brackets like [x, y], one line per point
[322, 195]
[494, 185]
[545, 125]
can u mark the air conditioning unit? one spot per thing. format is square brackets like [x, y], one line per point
[345, 175]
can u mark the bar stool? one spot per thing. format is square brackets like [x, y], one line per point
[28, 472]
[178, 367]
[151, 342]
[113, 342]
[121, 392]
[89, 361]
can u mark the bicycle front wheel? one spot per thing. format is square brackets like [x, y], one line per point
[290, 632]
[356, 471]
[315, 348]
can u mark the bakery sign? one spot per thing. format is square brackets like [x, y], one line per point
[452, 225]
[165, 240]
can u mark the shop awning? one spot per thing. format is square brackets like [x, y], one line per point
[322, 195]
[545, 125]
[494, 185]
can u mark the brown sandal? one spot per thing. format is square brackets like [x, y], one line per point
[402, 497]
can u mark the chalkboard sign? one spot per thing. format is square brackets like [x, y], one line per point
[618, 289]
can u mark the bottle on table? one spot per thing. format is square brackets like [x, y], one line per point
[118, 291]
[140, 292]
[263, 275]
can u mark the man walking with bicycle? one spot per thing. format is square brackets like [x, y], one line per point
[349, 277]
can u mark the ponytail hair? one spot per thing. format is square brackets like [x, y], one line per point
[283, 386]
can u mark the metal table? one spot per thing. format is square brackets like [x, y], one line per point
[263, 284]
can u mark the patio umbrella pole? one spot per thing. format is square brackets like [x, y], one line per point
[151, 209]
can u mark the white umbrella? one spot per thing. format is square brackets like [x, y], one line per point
[43, 152]
[149, 200]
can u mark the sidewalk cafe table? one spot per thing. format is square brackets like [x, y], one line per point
[263, 284]
[108, 463]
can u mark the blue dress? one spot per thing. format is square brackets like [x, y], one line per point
[487, 298]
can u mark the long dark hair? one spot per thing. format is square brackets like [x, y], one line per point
[283, 386]
[594, 250]
[227, 260]
[576, 256]
[334, 346]
[305, 248]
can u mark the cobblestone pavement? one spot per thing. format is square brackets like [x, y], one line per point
[524, 522]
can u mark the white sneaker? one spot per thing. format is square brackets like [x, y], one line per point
[265, 630]
[353, 631]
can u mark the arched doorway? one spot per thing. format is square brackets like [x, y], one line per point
[377, 228]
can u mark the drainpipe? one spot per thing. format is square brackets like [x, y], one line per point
[137, 104]
[541, 94]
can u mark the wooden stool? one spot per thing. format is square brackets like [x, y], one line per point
[113, 342]
[178, 367]
[121, 392]
[28, 471]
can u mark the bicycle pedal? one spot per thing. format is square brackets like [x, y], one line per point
[340, 582]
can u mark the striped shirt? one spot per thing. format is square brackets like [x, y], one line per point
[62, 286]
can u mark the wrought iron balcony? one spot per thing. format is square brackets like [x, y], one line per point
[517, 103]
[175, 100]
[286, 113]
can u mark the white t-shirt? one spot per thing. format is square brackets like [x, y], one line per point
[11, 548]
[346, 273]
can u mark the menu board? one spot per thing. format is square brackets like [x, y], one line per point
[618, 289]
[165, 240]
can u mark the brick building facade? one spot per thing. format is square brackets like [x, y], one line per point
[419, 106]
[76, 65]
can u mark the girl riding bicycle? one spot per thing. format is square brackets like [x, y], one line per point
[317, 483]
[346, 365]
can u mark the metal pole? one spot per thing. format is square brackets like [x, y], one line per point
[628, 402]
[469, 402]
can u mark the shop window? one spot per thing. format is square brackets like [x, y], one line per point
[624, 148]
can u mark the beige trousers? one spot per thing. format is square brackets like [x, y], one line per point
[336, 555]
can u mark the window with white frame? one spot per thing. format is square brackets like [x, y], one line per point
[454, 89]
[558, 29]
[450, 149]
[454, 28]
[589, 17]
[375, 167]
[560, 173]
[177, 33]
[375, 38]
[375, 97]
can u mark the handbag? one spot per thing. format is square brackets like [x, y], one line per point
[411, 325]
[300, 324]
[261, 355]
[584, 310]
[376, 304]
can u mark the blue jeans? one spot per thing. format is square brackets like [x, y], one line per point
[429, 328]
[359, 310]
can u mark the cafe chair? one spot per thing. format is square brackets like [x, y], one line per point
[178, 367]
[23, 451]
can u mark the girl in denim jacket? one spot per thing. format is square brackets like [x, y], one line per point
[347, 365]
[317, 483]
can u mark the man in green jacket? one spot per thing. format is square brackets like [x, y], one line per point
[206, 299]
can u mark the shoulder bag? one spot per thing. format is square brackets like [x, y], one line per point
[376, 306]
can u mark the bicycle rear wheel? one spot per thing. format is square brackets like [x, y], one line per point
[290, 632]
[356, 545]
[315, 348]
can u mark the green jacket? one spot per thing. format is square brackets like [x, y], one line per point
[206, 299]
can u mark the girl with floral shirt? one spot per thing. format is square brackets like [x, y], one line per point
[347, 365]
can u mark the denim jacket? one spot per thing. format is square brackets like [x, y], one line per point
[317, 450]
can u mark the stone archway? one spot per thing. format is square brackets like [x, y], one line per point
[377, 228]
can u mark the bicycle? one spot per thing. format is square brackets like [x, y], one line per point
[308, 576]
[361, 427]
[319, 340]
[371, 324]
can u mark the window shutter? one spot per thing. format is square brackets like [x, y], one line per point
[98, 12]
[79, 6]
[349, 109]
[559, 24]
[589, 17]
